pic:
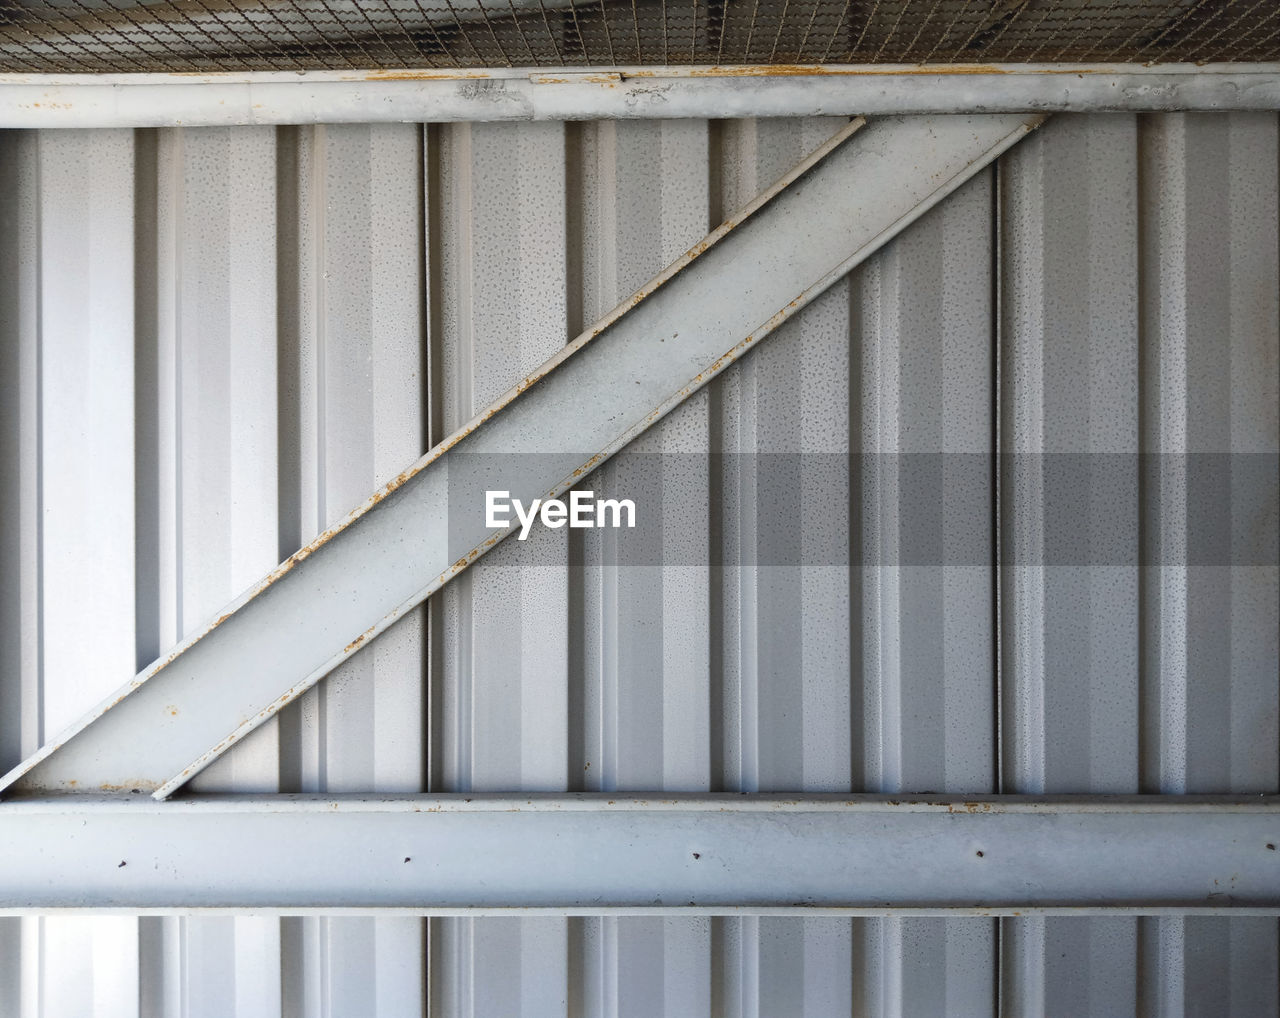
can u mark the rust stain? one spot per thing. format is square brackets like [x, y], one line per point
[410, 75]
[821, 71]
[610, 78]
[587, 467]
[128, 786]
[969, 807]
[347, 649]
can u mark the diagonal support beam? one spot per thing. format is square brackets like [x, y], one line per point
[711, 306]
[589, 854]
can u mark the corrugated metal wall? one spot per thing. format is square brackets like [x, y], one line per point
[215, 342]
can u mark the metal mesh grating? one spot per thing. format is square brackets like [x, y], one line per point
[237, 35]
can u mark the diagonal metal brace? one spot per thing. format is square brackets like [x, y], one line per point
[711, 306]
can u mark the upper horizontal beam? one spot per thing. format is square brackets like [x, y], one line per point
[284, 97]
[591, 854]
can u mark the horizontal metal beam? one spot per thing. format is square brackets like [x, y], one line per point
[592, 854]
[162, 100]
[538, 439]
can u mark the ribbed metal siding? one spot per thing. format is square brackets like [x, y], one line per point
[1139, 315]
[222, 339]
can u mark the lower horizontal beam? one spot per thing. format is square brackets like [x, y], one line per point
[287, 97]
[590, 854]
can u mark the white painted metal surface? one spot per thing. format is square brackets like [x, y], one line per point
[617, 690]
[625, 93]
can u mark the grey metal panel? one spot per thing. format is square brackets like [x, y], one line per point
[1179, 214]
[1069, 371]
[1134, 283]
[1210, 321]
